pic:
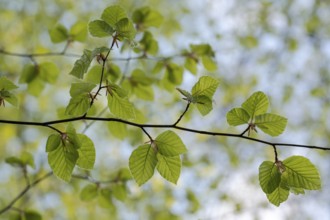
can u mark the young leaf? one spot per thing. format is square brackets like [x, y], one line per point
[145, 17]
[104, 199]
[86, 152]
[269, 177]
[237, 116]
[119, 191]
[302, 173]
[142, 163]
[30, 72]
[62, 161]
[278, 196]
[53, 142]
[78, 31]
[99, 28]
[81, 88]
[89, 192]
[125, 29]
[186, 94]
[6, 84]
[205, 86]
[169, 167]
[191, 65]
[256, 104]
[169, 144]
[203, 103]
[78, 105]
[113, 14]
[209, 63]
[48, 71]
[81, 65]
[120, 107]
[118, 130]
[9, 97]
[271, 124]
[25, 159]
[174, 73]
[58, 34]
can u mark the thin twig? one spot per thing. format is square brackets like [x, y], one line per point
[24, 191]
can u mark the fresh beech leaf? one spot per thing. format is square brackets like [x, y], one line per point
[24, 160]
[121, 107]
[269, 176]
[142, 163]
[186, 94]
[203, 103]
[119, 191]
[81, 88]
[302, 173]
[78, 105]
[86, 152]
[53, 142]
[48, 71]
[169, 167]
[237, 116]
[146, 17]
[278, 196]
[205, 86]
[271, 124]
[81, 65]
[125, 29]
[256, 104]
[8, 97]
[209, 63]
[58, 34]
[99, 28]
[113, 14]
[89, 192]
[78, 31]
[169, 144]
[62, 160]
[6, 84]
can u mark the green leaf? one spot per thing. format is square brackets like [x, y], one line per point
[278, 196]
[139, 77]
[202, 50]
[105, 201]
[125, 29]
[113, 14]
[142, 163]
[6, 84]
[99, 28]
[146, 17]
[24, 160]
[237, 116]
[119, 191]
[72, 137]
[62, 161]
[169, 144]
[209, 63]
[205, 86]
[89, 192]
[86, 152]
[117, 129]
[36, 86]
[191, 65]
[203, 103]
[81, 65]
[48, 71]
[148, 44]
[169, 167]
[144, 92]
[58, 34]
[271, 124]
[174, 73]
[256, 104]
[302, 173]
[269, 176]
[78, 31]
[78, 105]
[9, 97]
[185, 94]
[78, 89]
[30, 72]
[120, 107]
[53, 142]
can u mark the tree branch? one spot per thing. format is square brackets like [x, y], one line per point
[48, 123]
[24, 191]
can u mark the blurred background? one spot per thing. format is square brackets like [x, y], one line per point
[279, 47]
